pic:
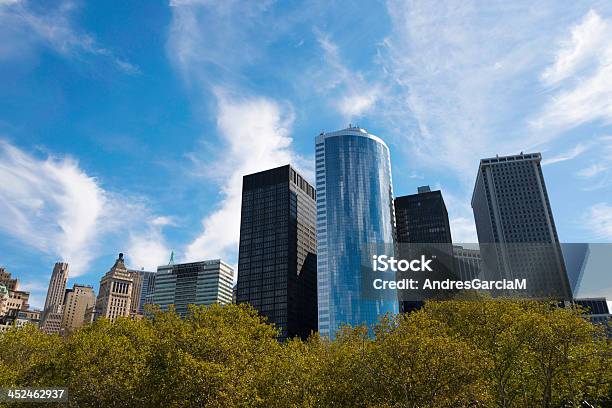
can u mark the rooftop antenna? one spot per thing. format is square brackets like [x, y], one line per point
[171, 261]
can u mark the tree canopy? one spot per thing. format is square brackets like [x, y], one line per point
[493, 353]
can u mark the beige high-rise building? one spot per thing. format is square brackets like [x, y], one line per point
[18, 300]
[7, 281]
[53, 312]
[115, 295]
[52, 321]
[57, 285]
[76, 302]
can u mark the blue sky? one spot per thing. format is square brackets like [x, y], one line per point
[127, 126]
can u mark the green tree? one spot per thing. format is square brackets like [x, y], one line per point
[491, 353]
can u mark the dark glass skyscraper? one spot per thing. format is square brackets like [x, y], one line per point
[422, 218]
[277, 266]
[354, 215]
[422, 228]
[515, 225]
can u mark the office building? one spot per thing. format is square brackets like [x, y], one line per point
[354, 215]
[4, 297]
[53, 311]
[422, 218]
[18, 300]
[143, 286]
[15, 318]
[593, 306]
[14, 304]
[277, 254]
[515, 225]
[90, 314]
[7, 281]
[24, 317]
[57, 285]
[196, 283]
[115, 293]
[575, 256]
[76, 302]
[52, 320]
[422, 228]
[144, 282]
[597, 311]
[468, 262]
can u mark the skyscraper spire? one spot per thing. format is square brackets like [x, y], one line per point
[171, 261]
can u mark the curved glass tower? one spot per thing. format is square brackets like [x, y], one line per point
[354, 211]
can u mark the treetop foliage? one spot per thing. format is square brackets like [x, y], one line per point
[494, 353]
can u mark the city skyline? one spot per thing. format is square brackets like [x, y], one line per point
[121, 140]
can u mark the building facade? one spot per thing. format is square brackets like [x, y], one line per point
[422, 228]
[143, 286]
[4, 297]
[422, 218]
[15, 299]
[146, 290]
[597, 311]
[115, 294]
[196, 283]
[515, 225]
[24, 317]
[76, 302]
[277, 269]
[468, 262]
[14, 303]
[354, 213]
[57, 285]
[7, 281]
[18, 300]
[52, 321]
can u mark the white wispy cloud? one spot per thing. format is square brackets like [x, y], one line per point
[599, 173]
[353, 96]
[592, 170]
[254, 134]
[51, 204]
[458, 77]
[147, 247]
[580, 50]
[569, 155]
[471, 81]
[599, 220]
[23, 25]
[581, 72]
[209, 40]
[252, 131]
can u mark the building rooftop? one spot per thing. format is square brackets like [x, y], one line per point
[513, 158]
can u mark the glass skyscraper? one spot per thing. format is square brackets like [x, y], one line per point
[354, 213]
[196, 283]
[277, 267]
